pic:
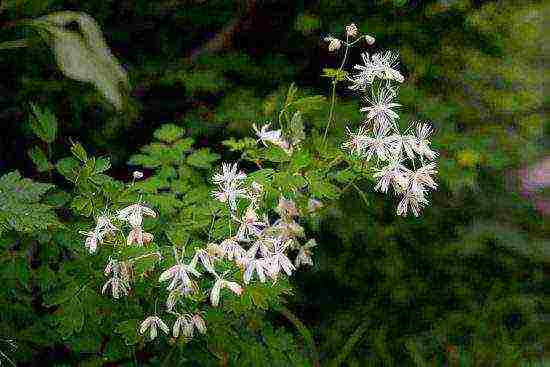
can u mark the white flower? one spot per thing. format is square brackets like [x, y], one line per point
[381, 146]
[250, 224]
[381, 109]
[366, 75]
[411, 201]
[229, 174]
[262, 245]
[370, 39]
[219, 285]
[356, 144]
[138, 236]
[394, 174]
[252, 265]
[92, 238]
[205, 258]
[137, 175]
[266, 135]
[230, 194]
[104, 226]
[314, 205]
[133, 214]
[304, 254]
[287, 208]
[178, 274]
[334, 43]
[422, 147]
[118, 287]
[387, 63]
[152, 323]
[187, 323]
[232, 249]
[406, 144]
[286, 229]
[279, 261]
[422, 177]
[351, 30]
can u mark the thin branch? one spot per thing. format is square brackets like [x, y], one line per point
[303, 330]
[348, 347]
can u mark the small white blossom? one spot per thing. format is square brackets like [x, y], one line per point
[370, 39]
[199, 323]
[138, 236]
[386, 63]
[92, 239]
[381, 111]
[314, 205]
[232, 249]
[394, 174]
[230, 194]
[304, 254]
[333, 43]
[133, 214]
[205, 258]
[250, 224]
[411, 201]
[178, 274]
[351, 30]
[229, 174]
[185, 324]
[422, 147]
[266, 135]
[287, 208]
[422, 177]
[252, 265]
[356, 144]
[137, 175]
[381, 145]
[279, 261]
[221, 284]
[118, 287]
[153, 323]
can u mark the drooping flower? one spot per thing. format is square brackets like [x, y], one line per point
[118, 287]
[133, 214]
[279, 261]
[394, 174]
[250, 224]
[232, 249]
[205, 258]
[178, 274]
[351, 30]
[221, 284]
[153, 323]
[422, 146]
[304, 254]
[252, 265]
[92, 239]
[333, 43]
[422, 178]
[265, 135]
[411, 201]
[138, 236]
[187, 323]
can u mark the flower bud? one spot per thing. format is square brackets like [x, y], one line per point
[370, 40]
[137, 175]
[351, 30]
[334, 43]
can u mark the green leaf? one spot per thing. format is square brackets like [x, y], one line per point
[296, 128]
[102, 164]
[43, 124]
[39, 159]
[83, 55]
[169, 133]
[129, 331]
[68, 168]
[78, 151]
[202, 158]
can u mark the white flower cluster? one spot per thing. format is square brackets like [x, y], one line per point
[380, 137]
[266, 243]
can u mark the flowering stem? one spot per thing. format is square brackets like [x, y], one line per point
[333, 93]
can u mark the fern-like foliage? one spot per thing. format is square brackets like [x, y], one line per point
[20, 206]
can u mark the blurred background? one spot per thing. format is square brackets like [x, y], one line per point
[467, 283]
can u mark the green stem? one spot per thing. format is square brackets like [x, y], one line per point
[348, 347]
[303, 330]
[333, 93]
